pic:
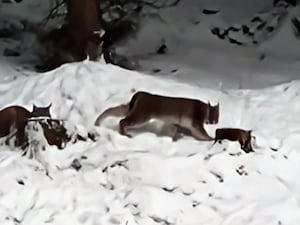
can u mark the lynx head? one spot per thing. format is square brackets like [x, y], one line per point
[213, 114]
[246, 146]
[249, 136]
[41, 111]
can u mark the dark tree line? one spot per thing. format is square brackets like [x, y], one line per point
[91, 28]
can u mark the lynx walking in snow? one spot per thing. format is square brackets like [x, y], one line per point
[234, 134]
[182, 112]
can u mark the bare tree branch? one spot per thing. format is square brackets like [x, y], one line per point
[54, 11]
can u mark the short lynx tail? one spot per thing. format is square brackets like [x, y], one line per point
[117, 111]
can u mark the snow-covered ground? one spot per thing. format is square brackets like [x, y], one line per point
[149, 179]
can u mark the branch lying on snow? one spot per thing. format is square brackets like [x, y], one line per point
[108, 186]
[120, 163]
[210, 11]
[220, 178]
[169, 189]
[160, 220]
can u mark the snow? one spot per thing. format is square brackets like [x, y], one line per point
[149, 179]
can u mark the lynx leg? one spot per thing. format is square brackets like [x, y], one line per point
[172, 130]
[200, 133]
[246, 146]
[20, 136]
[130, 121]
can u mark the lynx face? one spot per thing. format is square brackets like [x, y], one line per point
[214, 112]
[41, 111]
[212, 116]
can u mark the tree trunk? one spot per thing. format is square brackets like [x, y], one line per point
[83, 28]
[79, 37]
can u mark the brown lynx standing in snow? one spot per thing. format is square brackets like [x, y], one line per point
[15, 117]
[235, 134]
[182, 112]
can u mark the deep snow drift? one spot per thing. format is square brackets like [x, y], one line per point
[149, 179]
